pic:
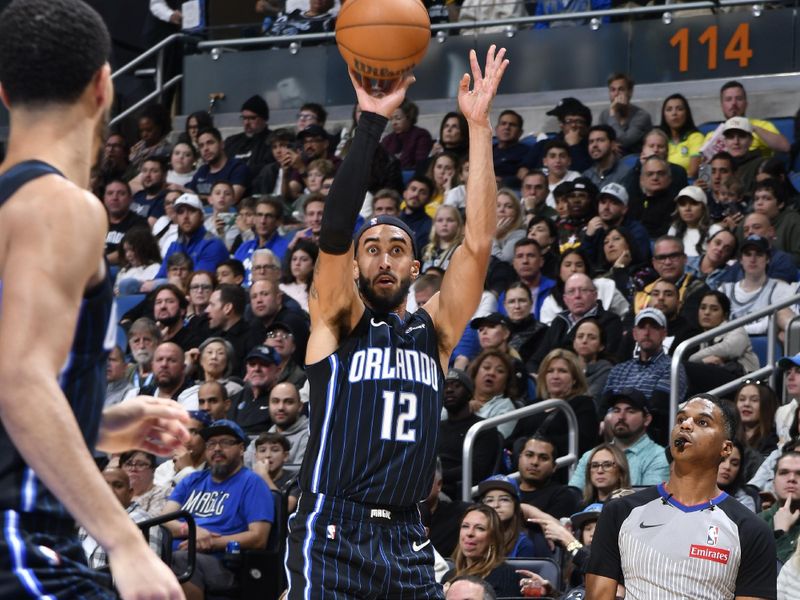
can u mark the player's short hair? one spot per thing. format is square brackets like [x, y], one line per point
[273, 438]
[488, 590]
[233, 295]
[730, 421]
[50, 50]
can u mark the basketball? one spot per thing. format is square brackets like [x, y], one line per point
[383, 39]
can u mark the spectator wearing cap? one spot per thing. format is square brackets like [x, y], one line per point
[649, 370]
[218, 166]
[458, 391]
[691, 222]
[781, 264]
[537, 486]
[507, 152]
[733, 102]
[502, 494]
[581, 207]
[494, 331]
[574, 120]
[606, 167]
[769, 199]
[580, 298]
[204, 248]
[188, 458]
[407, 142]
[250, 408]
[656, 204]
[628, 419]
[756, 290]
[251, 144]
[229, 503]
[612, 211]
[629, 121]
[737, 134]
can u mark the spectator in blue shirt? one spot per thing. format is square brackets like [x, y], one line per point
[204, 248]
[649, 370]
[218, 167]
[229, 503]
[266, 223]
[628, 419]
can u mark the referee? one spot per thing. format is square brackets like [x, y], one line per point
[685, 539]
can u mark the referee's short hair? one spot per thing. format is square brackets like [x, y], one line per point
[50, 50]
[729, 419]
[488, 590]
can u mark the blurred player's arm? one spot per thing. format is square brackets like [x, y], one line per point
[334, 303]
[600, 588]
[42, 293]
[453, 307]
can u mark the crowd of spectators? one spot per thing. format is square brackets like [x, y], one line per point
[616, 241]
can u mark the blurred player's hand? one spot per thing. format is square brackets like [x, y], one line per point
[155, 425]
[387, 102]
[139, 574]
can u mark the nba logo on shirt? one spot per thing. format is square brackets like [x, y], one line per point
[331, 532]
[712, 536]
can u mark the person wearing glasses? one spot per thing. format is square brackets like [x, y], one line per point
[269, 305]
[250, 145]
[654, 207]
[141, 469]
[607, 470]
[280, 336]
[229, 503]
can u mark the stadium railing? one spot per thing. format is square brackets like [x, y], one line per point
[763, 373]
[568, 459]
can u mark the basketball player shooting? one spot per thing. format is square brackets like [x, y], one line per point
[57, 322]
[376, 371]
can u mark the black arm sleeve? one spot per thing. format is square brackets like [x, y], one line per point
[350, 186]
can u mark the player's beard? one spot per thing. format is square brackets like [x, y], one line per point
[383, 304]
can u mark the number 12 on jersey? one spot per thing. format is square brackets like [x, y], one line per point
[399, 428]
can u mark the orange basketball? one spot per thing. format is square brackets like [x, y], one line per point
[383, 39]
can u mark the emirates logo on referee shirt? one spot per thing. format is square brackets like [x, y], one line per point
[719, 555]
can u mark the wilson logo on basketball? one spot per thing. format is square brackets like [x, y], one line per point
[719, 555]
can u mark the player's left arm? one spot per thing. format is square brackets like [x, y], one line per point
[452, 308]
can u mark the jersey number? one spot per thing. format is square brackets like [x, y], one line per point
[406, 413]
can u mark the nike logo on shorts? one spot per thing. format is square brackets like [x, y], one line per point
[417, 547]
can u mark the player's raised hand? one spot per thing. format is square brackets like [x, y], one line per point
[476, 103]
[155, 425]
[386, 103]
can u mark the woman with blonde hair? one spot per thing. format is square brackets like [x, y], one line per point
[447, 234]
[480, 551]
[510, 225]
[607, 470]
[561, 376]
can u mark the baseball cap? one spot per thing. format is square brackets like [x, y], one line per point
[462, 378]
[737, 124]
[222, 427]
[584, 184]
[789, 361]
[630, 396]
[693, 193]
[283, 326]
[313, 131]
[562, 189]
[615, 191]
[755, 241]
[191, 200]
[498, 482]
[201, 416]
[571, 106]
[494, 318]
[653, 314]
[590, 513]
[263, 353]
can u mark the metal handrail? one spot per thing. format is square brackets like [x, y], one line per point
[148, 53]
[151, 96]
[589, 14]
[469, 440]
[677, 356]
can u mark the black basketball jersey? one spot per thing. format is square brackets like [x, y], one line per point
[82, 378]
[375, 406]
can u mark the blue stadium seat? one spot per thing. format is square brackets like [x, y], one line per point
[113, 270]
[122, 338]
[407, 175]
[126, 303]
[785, 126]
[760, 348]
[794, 176]
[630, 160]
[529, 141]
[704, 128]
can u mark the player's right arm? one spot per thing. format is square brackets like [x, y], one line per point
[333, 301]
[48, 259]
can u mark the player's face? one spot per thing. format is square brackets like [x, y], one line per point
[729, 468]
[284, 405]
[473, 537]
[118, 481]
[210, 400]
[627, 422]
[701, 426]
[272, 454]
[385, 267]
[502, 503]
[536, 462]
[223, 454]
[787, 478]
